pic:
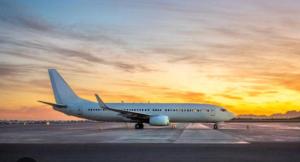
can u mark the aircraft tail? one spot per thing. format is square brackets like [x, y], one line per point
[62, 92]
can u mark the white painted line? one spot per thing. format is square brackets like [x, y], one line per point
[194, 134]
[197, 126]
[210, 142]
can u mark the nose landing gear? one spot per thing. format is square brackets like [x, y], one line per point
[139, 126]
[216, 126]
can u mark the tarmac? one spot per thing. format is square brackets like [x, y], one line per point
[121, 142]
[229, 133]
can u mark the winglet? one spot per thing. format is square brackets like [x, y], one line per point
[100, 102]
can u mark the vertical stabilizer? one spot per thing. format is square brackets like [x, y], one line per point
[61, 90]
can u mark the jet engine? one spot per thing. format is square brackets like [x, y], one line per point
[159, 120]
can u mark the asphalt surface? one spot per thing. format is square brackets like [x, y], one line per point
[229, 133]
[255, 152]
[107, 142]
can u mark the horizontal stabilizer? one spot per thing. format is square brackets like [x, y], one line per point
[54, 104]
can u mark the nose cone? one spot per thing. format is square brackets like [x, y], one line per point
[231, 115]
[224, 115]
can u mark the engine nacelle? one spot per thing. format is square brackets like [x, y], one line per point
[159, 120]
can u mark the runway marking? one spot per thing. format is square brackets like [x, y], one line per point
[208, 136]
[229, 133]
[196, 126]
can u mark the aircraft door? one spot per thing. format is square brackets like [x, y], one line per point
[212, 112]
[79, 111]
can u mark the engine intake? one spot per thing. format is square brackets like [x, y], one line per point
[159, 120]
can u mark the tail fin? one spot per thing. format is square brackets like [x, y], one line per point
[62, 91]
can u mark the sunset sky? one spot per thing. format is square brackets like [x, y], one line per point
[240, 54]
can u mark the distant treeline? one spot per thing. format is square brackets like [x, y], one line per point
[265, 120]
[6, 122]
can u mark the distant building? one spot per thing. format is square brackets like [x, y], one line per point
[287, 115]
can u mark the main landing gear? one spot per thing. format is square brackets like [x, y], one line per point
[216, 126]
[139, 126]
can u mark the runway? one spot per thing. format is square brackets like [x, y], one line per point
[229, 133]
[82, 142]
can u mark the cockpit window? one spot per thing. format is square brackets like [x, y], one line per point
[223, 110]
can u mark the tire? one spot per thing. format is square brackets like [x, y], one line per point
[216, 126]
[137, 126]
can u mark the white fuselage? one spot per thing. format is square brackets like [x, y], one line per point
[177, 112]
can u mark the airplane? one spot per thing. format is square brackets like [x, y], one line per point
[154, 114]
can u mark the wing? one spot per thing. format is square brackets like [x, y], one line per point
[127, 114]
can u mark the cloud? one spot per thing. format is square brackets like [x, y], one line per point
[255, 93]
[18, 78]
[231, 97]
[33, 25]
[15, 15]
[82, 55]
[287, 80]
[185, 96]
[16, 46]
[141, 85]
[8, 70]
[41, 83]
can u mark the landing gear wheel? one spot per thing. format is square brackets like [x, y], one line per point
[139, 126]
[216, 126]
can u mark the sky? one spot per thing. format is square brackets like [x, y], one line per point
[242, 55]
